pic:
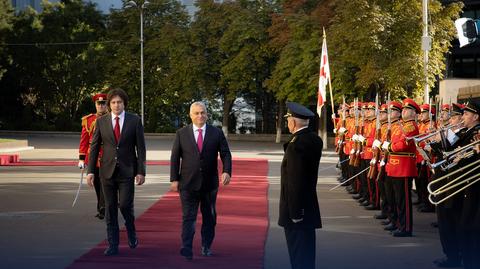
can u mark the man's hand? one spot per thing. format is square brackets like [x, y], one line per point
[174, 186]
[81, 164]
[140, 179]
[225, 178]
[90, 180]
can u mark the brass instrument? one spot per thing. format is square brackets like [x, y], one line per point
[449, 162]
[456, 185]
[421, 137]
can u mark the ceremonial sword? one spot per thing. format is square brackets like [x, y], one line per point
[78, 190]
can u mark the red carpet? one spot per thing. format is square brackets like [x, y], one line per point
[241, 230]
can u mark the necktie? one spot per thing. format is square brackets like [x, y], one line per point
[116, 129]
[200, 140]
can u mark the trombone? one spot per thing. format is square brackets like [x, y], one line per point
[421, 137]
[449, 162]
[455, 184]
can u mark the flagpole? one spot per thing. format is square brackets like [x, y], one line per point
[330, 85]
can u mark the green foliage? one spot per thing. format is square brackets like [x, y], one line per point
[375, 45]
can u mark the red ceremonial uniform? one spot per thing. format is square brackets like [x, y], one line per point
[350, 122]
[369, 138]
[402, 158]
[423, 128]
[88, 127]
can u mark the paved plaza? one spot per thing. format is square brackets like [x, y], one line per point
[40, 229]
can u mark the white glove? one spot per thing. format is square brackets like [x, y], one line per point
[352, 151]
[377, 144]
[373, 161]
[335, 131]
[382, 163]
[342, 130]
[297, 220]
[81, 164]
[355, 138]
[427, 147]
[361, 138]
[333, 117]
[385, 145]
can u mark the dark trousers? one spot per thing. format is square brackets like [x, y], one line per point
[390, 200]
[190, 202]
[119, 193]
[421, 183]
[403, 202]
[301, 247]
[448, 218]
[344, 165]
[380, 180]
[363, 179]
[97, 184]
[470, 247]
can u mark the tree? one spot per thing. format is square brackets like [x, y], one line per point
[376, 45]
[6, 17]
[166, 66]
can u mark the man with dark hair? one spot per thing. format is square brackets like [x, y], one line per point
[88, 127]
[122, 137]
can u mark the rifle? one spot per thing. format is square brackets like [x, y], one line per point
[352, 152]
[341, 138]
[388, 138]
[360, 144]
[372, 173]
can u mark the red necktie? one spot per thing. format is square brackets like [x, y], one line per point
[116, 129]
[200, 140]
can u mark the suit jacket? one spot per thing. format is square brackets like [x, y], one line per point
[128, 156]
[196, 170]
[299, 173]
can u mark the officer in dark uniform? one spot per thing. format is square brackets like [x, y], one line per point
[469, 221]
[299, 210]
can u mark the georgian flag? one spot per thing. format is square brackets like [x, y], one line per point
[323, 77]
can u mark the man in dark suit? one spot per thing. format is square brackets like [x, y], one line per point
[121, 135]
[194, 173]
[299, 210]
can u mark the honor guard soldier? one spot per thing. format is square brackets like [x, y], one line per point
[445, 115]
[381, 174]
[448, 212]
[369, 133]
[88, 128]
[401, 166]
[470, 216]
[425, 126]
[299, 210]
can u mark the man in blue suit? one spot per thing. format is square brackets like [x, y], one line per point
[194, 173]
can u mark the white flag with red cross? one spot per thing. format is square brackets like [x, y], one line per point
[324, 77]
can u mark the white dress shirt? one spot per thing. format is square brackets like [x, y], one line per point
[195, 132]
[121, 120]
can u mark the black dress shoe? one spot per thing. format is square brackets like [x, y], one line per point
[385, 222]
[187, 253]
[399, 233]
[132, 242]
[390, 227]
[357, 196]
[426, 209]
[380, 216]
[434, 224]
[111, 251]
[447, 263]
[100, 216]
[365, 203]
[372, 207]
[207, 252]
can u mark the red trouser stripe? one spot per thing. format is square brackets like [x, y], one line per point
[407, 208]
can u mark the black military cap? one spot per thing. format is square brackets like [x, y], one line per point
[473, 107]
[457, 109]
[298, 111]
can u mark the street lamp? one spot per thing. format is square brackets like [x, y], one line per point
[134, 4]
